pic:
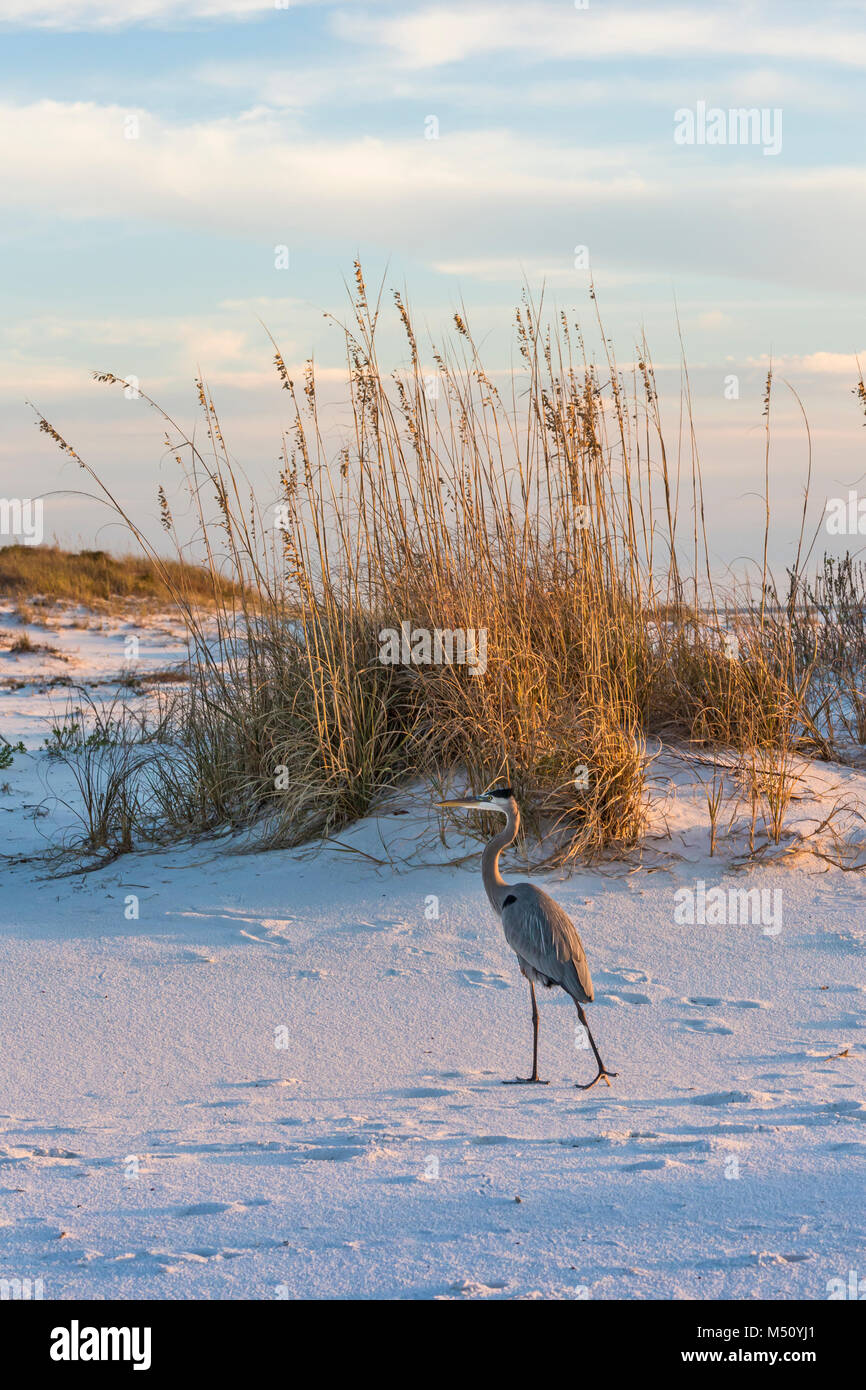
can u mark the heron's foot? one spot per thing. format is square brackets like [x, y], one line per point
[526, 1081]
[603, 1074]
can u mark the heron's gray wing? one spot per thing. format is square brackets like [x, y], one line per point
[543, 935]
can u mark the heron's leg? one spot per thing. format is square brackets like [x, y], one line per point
[533, 1079]
[534, 1031]
[602, 1072]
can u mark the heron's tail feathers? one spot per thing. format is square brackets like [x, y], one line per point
[581, 987]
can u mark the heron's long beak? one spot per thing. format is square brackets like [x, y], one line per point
[467, 805]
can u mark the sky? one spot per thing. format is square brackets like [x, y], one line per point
[154, 155]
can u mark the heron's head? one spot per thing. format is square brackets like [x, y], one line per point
[500, 799]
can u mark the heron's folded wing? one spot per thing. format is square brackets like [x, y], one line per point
[539, 931]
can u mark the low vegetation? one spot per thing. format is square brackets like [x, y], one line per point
[94, 578]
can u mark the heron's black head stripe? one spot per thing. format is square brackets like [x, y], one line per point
[509, 900]
[502, 791]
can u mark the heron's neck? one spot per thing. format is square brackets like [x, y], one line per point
[494, 883]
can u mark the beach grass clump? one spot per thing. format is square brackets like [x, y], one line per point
[481, 580]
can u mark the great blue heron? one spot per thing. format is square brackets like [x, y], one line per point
[542, 936]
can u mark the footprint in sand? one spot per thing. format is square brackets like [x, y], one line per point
[15, 1154]
[379, 926]
[422, 1093]
[846, 1020]
[647, 1164]
[484, 979]
[278, 1081]
[474, 1288]
[216, 1208]
[205, 1209]
[709, 1001]
[332, 1148]
[273, 929]
[722, 1098]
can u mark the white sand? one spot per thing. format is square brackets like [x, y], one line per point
[158, 1142]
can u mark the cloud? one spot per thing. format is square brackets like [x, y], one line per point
[376, 78]
[483, 196]
[443, 34]
[227, 345]
[814, 364]
[562, 274]
[109, 14]
[255, 177]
